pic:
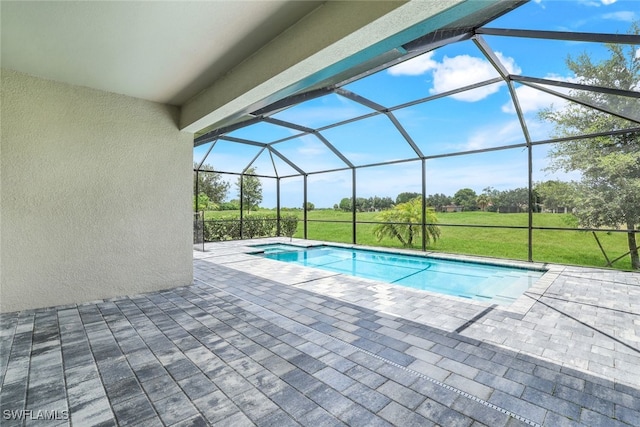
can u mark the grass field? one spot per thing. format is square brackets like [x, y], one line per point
[565, 247]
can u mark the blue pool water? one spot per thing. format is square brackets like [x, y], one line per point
[485, 282]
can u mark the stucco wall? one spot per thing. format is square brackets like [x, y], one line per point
[95, 195]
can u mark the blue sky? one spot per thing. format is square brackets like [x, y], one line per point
[477, 119]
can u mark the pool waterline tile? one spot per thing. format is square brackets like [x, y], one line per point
[484, 280]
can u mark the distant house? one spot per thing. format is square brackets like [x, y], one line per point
[452, 208]
[560, 210]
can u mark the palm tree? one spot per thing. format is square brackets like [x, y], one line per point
[404, 222]
[483, 201]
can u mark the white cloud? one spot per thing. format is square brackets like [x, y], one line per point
[540, 3]
[227, 162]
[456, 72]
[414, 66]
[463, 70]
[317, 116]
[597, 3]
[531, 100]
[310, 146]
[534, 100]
[638, 53]
[505, 133]
[308, 153]
[624, 16]
[509, 63]
[539, 129]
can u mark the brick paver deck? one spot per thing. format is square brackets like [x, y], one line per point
[258, 342]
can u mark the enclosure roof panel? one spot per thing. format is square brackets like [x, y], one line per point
[467, 86]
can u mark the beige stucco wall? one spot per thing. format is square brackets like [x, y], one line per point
[95, 195]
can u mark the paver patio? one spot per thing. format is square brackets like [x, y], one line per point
[258, 342]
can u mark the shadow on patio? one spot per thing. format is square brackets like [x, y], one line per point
[239, 349]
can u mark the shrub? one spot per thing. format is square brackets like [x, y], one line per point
[258, 225]
[288, 225]
[233, 205]
[221, 230]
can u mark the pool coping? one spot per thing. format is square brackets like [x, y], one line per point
[520, 306]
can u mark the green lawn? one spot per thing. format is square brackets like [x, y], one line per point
[569, 247]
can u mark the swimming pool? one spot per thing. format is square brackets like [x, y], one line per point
[483, 282]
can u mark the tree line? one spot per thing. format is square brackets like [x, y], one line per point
[212, 191]
[549, 195]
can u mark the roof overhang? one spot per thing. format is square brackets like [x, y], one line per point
[336, 42]
[220, 60]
